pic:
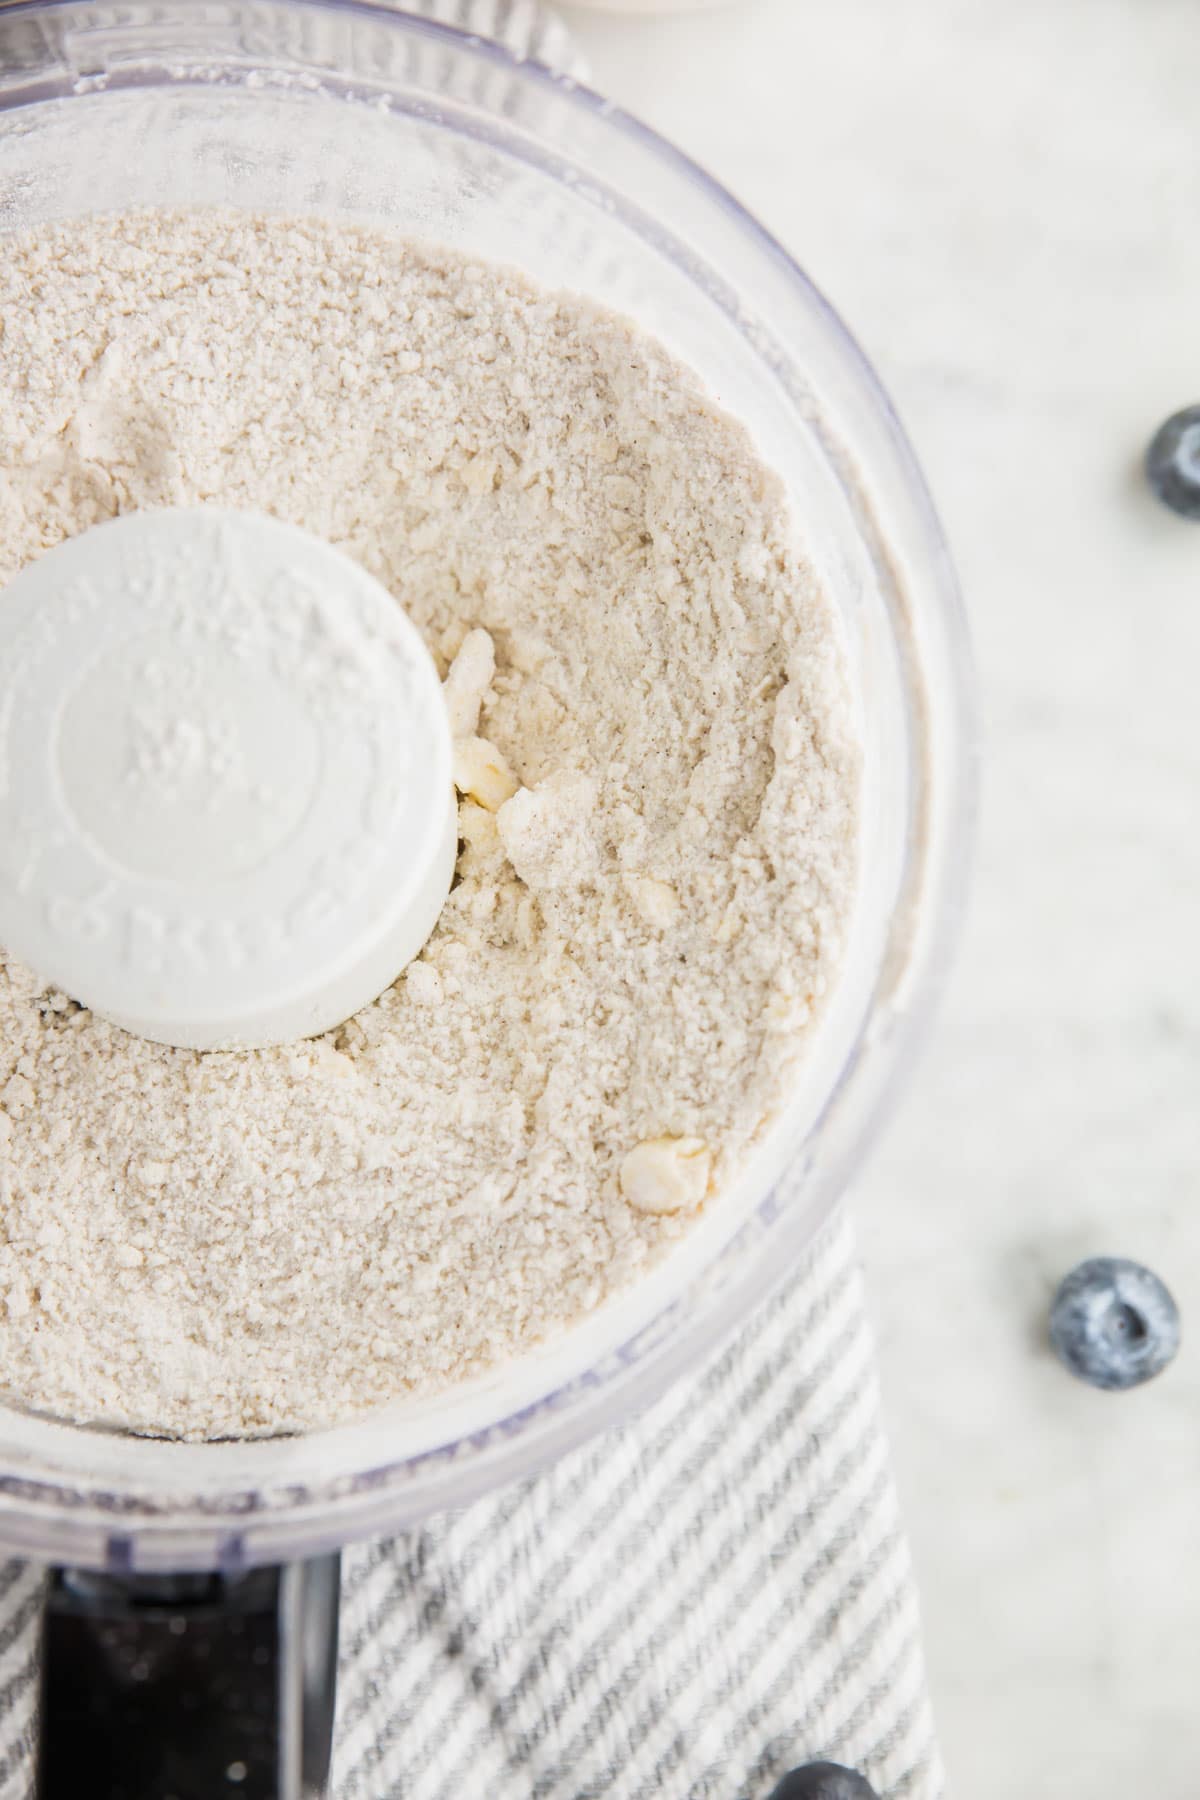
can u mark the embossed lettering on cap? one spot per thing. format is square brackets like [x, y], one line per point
[226, 813]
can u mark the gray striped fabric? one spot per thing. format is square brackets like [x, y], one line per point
[690, 1606]
[21, 1589]
[687, 1607]
[525, 27]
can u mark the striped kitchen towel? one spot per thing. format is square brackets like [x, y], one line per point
[22, 1593]
[526, 27]
[689, 1606]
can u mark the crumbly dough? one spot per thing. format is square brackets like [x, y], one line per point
[658, 827]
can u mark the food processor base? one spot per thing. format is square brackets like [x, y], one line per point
[190, 1685]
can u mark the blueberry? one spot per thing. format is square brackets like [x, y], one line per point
[1113, 1323]
[1173, 462]
[824, 1781]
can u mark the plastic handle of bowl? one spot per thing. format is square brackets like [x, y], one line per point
[190, 1685]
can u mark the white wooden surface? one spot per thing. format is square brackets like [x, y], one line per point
[1003, 198]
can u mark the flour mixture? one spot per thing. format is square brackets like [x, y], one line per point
[658, 777]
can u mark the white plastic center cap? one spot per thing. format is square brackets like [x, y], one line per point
[226, 811]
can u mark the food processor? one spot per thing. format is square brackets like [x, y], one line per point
[349, 109]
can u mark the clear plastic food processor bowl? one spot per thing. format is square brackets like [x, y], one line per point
[347, 109]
